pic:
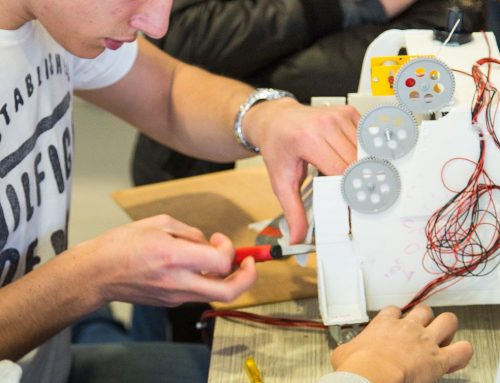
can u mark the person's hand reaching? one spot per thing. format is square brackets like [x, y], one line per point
[404, 349]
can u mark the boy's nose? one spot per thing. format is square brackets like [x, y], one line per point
[152, 18]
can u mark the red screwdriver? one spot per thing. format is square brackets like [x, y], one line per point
[262, 253]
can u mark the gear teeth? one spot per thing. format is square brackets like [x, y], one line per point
[363, 191]
[392, 110]
[421, 105]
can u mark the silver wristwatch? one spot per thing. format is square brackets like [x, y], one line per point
[260, 94]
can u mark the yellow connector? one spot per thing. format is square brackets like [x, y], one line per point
[252, 370]
[383, 71]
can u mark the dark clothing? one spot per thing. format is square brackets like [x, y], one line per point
[295, 45]
[104, 351]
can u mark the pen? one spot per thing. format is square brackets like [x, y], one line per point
[252, 370]
[268, 252]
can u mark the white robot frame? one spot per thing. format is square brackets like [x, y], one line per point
[382, 263]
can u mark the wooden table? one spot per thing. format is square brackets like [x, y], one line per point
[287, 355]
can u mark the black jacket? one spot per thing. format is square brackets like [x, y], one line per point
[296, 45]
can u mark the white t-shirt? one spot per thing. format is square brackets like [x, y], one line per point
[37, 77]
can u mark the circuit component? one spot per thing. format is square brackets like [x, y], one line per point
[371, 185]
[388, 131]
[382, 72]
[424, 85]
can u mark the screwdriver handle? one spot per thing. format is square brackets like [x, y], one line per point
[259, 253]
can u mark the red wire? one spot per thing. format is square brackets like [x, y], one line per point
[448, 233]
[284, 322]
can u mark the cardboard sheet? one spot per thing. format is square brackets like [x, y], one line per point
[227, 202]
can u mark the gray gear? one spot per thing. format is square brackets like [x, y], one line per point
[388, 131]
[424, 85]
[371, 185]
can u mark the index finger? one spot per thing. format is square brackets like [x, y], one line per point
[351, 120]
[173, 227]
[294, 212]
[228, 288]
[197, 257]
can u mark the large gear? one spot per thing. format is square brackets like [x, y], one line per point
[371, 185]
[388, 131]
[424, 85]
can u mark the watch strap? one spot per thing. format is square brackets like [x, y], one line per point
[260, 94]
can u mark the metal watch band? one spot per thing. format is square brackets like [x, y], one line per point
[258, 95]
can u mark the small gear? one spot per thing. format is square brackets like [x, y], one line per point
[388, 132]
[371, 185]
[424, 85]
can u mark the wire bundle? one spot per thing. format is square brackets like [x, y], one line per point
[463, 236]
[256, 318]
[486, 96]
[264, 319]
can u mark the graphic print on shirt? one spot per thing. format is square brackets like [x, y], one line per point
[35, 167]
